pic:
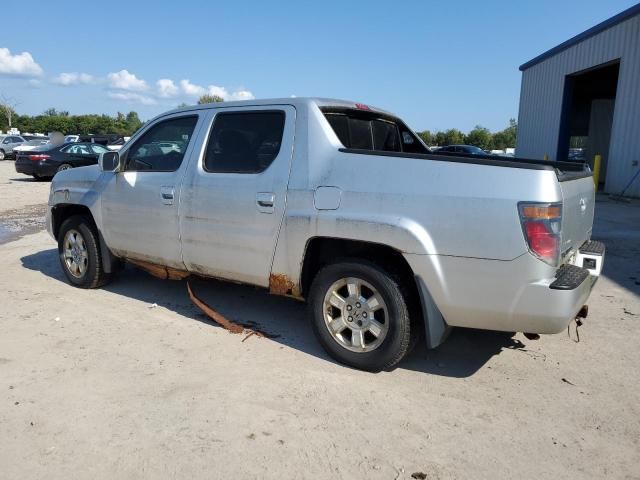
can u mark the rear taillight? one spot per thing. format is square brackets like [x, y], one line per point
[541, 225]
[38, 156]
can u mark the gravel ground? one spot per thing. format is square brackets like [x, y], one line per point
[132, 381]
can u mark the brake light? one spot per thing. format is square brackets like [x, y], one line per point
[541, 225]
[362, 106]
[39, 156]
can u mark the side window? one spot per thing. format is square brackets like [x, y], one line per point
[98, 149]
[162, 147]
[244, 142]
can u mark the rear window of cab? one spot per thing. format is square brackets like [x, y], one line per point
[367, 130]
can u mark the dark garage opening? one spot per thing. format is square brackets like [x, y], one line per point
[587, 115]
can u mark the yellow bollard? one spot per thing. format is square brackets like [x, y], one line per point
[546, 157]
[596, 170]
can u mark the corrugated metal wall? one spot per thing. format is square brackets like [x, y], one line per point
[541, 101]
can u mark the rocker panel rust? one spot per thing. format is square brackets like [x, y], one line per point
[160, 271]
[280, 284]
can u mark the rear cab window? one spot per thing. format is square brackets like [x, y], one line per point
[370, 130]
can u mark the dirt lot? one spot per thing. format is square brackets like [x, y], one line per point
[104, 384]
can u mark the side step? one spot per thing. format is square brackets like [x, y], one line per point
[591, 256]
[569, 277]
[592, 247]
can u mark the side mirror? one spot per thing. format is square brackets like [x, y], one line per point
[109, 162]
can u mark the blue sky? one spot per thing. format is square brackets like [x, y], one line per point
[436, 64]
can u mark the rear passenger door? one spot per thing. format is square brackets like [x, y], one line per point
[232, 203]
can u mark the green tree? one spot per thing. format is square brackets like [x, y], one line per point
[426, 137]
[506, 138]
[206, 98]
[480, 137]
[453, 136]
[133, 122]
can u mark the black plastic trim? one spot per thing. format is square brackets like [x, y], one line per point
[577, 169]
[593, 247]
[569, 277]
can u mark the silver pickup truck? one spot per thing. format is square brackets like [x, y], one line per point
[340, 204]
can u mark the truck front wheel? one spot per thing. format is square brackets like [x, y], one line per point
[360, 315]
[79, 253]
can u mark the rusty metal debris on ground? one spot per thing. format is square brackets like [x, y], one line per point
[567, 381]
[220, 319]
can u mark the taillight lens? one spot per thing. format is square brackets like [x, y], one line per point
[541, 225]
[39, 156]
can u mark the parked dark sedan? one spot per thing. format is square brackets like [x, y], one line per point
[45, 161]
[465, 149]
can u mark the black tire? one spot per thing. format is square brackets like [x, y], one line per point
[3, 156]
[64, 166]
[397, 341]
[94, 275]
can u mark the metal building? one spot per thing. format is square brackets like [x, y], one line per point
[582, 98]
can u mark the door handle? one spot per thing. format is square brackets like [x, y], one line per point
[167, 194]
[265, 201]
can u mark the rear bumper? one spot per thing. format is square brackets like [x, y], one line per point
[29, 167]
[513, 296]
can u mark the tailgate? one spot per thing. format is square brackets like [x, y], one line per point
[578, 202]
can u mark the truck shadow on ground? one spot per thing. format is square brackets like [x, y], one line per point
[281, 319]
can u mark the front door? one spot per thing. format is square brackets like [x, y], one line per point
[140, 204]
[233, 203]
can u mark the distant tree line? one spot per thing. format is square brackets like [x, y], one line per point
[479, 136]
[53, 120]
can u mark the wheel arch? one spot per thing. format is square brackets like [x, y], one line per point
[320, 251]
[62, 211]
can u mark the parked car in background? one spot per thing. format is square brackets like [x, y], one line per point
[72, 138]
[30, 145]
[7, 144]
[464, 149]
[118, 144]
[45, 161]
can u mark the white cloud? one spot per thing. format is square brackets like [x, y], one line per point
[124, 80]
[132, 97]
[166, 88]
[241, 95]
[191, 89]
[194, 90]
[20, 64]
[225, 95]
[73, 78]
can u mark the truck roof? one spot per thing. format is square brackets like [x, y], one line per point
[295, 101]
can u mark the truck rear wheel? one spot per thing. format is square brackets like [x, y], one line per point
[359, 315]
[79, 253]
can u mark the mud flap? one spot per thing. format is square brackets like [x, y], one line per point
[110, 262]
[435, 327]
